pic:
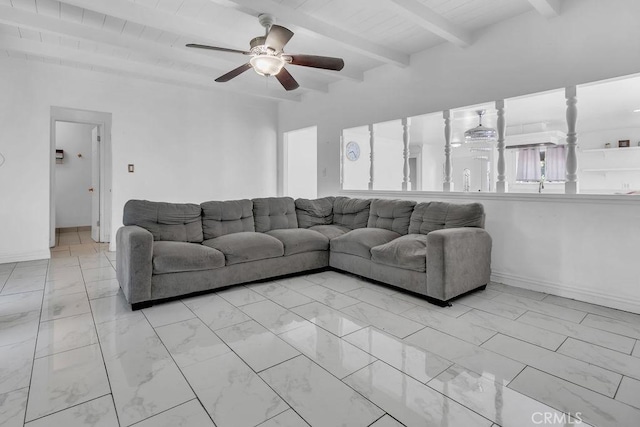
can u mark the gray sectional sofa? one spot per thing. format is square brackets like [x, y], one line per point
[435, 249]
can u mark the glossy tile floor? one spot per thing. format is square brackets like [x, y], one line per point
[326, 349]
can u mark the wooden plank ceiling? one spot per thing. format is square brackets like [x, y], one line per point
[146, 38]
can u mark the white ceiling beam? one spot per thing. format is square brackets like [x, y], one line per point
[345, 38]
[22, 19]
[431, 21]
[139, 69]
[547, 8]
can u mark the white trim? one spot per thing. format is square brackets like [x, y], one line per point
[620, 302]
[285, 163]
[25, 256]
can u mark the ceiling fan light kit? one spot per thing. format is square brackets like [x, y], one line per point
[268, 58]
[267, 65]
[480, 133]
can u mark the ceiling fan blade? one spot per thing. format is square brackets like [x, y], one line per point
[233, 73]
[324, 62]
[286, 80]
[221, 49]
[278, 37]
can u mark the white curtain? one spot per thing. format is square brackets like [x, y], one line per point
[528, 168]
[555, 163]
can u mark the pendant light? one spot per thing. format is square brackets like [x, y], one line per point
[480, 133]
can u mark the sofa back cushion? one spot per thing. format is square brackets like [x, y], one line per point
[314, 212]
[432, 216]
[351, 213]
[231, 216]
[274, 213]
[177, 222]
[391, 215]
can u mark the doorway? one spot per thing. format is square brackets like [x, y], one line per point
[80, 190]
[301, 163]
[77, 189]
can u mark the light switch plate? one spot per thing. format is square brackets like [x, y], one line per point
[130, 168]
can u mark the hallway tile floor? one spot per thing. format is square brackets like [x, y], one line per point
[326, 349]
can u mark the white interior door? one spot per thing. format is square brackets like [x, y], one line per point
[95, 184]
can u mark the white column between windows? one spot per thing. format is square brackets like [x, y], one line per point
[406, 123]
[447, 185]
[371, 144]
[501, 184]
[571, 184]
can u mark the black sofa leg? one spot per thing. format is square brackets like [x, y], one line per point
[482, 288]
[438, 302]
[140, 305]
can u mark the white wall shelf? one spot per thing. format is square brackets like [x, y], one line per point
[610, 150]
[605, 170]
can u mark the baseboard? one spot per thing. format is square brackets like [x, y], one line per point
[626, 302]
[24, 256]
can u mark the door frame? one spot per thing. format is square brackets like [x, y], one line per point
[103, 121]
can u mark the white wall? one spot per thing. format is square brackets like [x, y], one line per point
[188, 145]
[73, 175]
[302, 163]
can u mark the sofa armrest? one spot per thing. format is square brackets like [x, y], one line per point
[458, 261]
[134, 250]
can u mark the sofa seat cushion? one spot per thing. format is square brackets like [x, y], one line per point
[299, 240]
[408, 252]
[360, 241]
[177, 257]
[246, 246]
[330, 231]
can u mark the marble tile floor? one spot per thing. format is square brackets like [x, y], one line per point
[76, 241]
[326, 349]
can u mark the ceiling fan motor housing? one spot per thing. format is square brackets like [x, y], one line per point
[266, 20]
[257, 45]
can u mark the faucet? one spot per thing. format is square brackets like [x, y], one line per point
[541, 185]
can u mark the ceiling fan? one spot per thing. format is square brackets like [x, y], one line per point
[268, 58]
